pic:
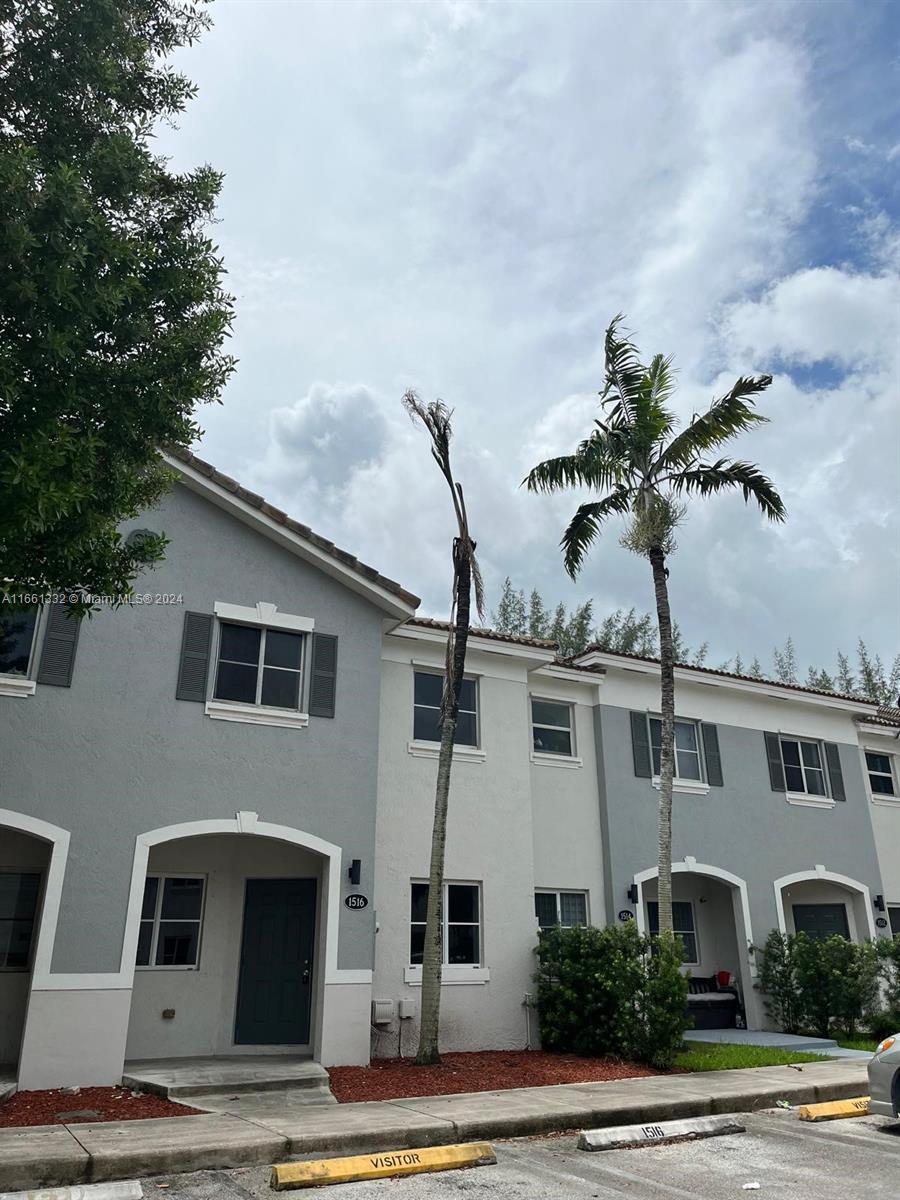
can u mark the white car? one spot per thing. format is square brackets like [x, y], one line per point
[884, 1078]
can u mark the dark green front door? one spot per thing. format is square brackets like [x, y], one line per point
[275, 979]
[820, 921]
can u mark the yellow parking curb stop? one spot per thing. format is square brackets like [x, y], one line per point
[380, 1166]
[834, 1109]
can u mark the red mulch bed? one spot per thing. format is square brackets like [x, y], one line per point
[95, 1103]
[481, 1071]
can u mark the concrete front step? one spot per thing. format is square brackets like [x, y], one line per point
[183, 1078]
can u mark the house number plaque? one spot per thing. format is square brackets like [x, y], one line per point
[356, 900]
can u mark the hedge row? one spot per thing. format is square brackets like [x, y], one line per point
[612, 992]
[819, 986]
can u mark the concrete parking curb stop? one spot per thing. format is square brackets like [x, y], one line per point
[381, 1166]
[59, 1155]
[835, 1110]
[619, 1136]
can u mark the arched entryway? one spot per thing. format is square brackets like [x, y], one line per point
[231, 940]
[821, 902]
[32, 864]
[712, 914]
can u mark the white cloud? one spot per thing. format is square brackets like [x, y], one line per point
[458, 196]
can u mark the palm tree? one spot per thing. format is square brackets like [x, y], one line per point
[436, 419]
[643, 468]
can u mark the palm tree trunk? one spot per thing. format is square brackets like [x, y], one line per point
[432, 959]
[667, 741]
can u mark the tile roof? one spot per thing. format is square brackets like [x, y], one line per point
[303, 531]
[490, 634]
[887, 715]
[793, 687]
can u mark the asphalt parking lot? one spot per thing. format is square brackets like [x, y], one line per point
[787, 1158]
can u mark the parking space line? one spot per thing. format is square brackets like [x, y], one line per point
[596, 1171]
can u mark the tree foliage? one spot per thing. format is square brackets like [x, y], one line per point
[112, 311]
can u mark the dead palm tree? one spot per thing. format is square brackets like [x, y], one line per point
[436, 419]
[642, 469]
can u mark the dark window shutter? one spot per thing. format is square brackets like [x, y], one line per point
[640, 746]
[323, 678]
[193, 667]
[776, 767]
[712, 755]
[833, 758]
[60, 643]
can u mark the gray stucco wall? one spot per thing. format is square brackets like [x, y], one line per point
[744, 827]
[116, 754]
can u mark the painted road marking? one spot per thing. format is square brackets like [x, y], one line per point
[835, 1109]
[662, 1131]
[380, 1166]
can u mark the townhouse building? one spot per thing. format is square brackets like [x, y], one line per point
[216, 805]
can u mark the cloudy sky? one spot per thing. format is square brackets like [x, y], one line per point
[457, 196]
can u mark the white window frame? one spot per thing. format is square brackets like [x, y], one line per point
[882, 797]
[889, 909]
[24, 685]
[427, 748]
[451, 973]
[162, 876]
[813, 799]
[557, 893]
[696, 787]
[552, 757]
[263, 617]
[695, 933]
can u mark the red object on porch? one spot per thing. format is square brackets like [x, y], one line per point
[723, 978]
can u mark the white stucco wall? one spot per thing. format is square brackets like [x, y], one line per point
[204, 999]
[886, 816]
[505, 824]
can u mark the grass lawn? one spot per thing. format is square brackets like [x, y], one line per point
[856, 1043]
[729, 1058]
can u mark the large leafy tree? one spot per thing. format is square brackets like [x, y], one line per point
[466, 577]
[112, 311]
[643, 470]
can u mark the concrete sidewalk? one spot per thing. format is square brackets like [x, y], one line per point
[56, 1155]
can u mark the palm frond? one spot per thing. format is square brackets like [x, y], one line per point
[707, 479]
[584, 528]
[726, 417]
[624, 372]
[598, 462]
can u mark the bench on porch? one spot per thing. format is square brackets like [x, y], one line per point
[713, 1005]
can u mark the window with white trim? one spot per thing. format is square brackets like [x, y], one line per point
[683, 926]
[19, 893]
[17, 630]
[687, 749]
[171, 917]
[259, 666]
[566, 909]
[894, 918]
[551, 727]
[461, 923]
[428, 689]
[804, 771]
[880, 769]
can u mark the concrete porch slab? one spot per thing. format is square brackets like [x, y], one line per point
[176, 1078]
[127, 1149]
[40, 1156]
[257, 1106]
[772, 1041]
[8, 1085]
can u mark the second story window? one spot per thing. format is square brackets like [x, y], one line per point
[259, 666]
[17, 628]
[803, 768]
[551, 727]
[687, 749]
[427, 691]
[881, 775]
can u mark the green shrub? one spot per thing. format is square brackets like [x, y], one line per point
[611, 992]
[883, 1023]
[889, 955]
[820, 985]
[778, 982]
